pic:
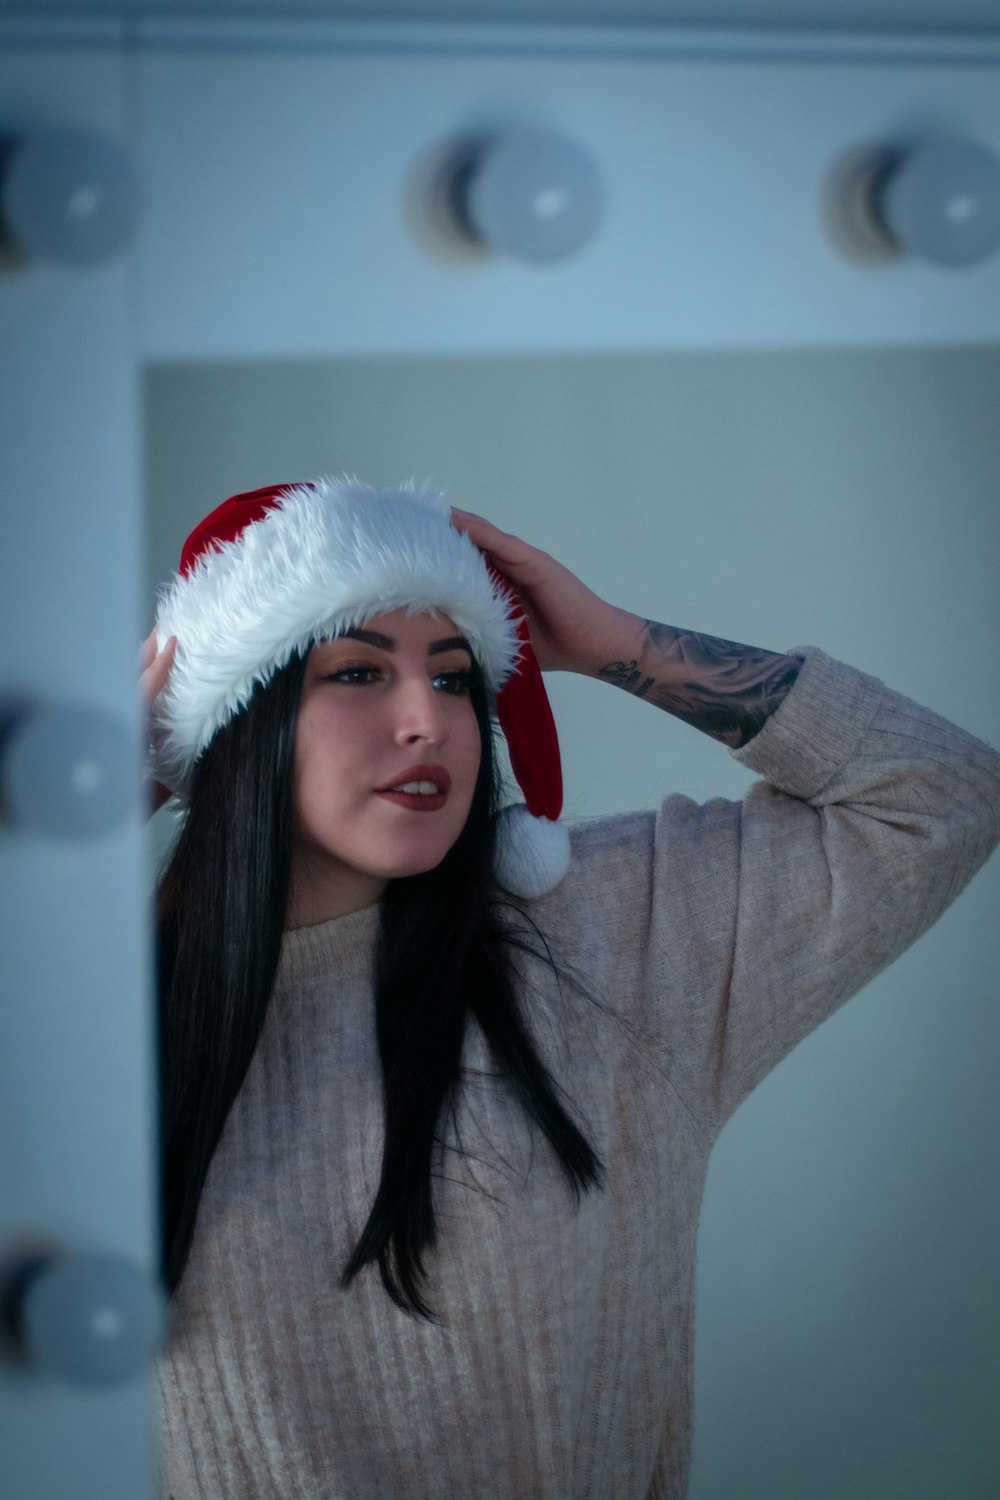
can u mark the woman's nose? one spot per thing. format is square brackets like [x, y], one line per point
[420, 714]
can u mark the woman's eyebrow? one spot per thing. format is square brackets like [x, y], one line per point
[451, 643]
[372, 637]
[386, 642]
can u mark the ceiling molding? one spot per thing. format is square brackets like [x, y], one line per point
[235, 32]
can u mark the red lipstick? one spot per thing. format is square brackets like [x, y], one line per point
[414, 800]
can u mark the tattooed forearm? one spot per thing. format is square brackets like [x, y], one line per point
[626, 674]
[723, 688]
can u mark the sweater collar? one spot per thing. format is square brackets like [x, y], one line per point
[341, 947]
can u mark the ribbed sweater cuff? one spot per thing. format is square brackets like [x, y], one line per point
[815, 731]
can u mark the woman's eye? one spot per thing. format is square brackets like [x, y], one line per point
[357, 675]
[454, 682]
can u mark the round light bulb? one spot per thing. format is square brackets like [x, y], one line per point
[530, 194]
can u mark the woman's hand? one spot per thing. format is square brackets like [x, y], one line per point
[154, 670]
[724, 688]
[568, 622]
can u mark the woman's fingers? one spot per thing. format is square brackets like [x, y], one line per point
[147, 651]
[563, 614]
[521, 563]
[467, 520]
[157, 666]
[485, 534]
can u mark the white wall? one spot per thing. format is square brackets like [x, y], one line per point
[284, 220]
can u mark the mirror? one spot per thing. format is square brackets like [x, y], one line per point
[842, 498]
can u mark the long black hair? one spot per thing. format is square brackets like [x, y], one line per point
[444, 951]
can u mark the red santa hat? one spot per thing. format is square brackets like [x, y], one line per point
[271, 572]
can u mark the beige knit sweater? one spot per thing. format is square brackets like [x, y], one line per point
[720, 934]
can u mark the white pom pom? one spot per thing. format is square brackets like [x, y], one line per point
[532, 854]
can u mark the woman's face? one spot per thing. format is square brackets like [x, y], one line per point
[382, 709]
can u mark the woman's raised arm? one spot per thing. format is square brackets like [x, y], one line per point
[726, 689]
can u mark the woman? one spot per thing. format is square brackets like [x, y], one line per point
[405, 1052]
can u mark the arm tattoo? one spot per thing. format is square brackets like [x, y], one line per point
[720, 687]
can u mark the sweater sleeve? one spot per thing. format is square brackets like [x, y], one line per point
[871, 815]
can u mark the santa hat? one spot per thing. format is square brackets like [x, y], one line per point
[271, 572]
